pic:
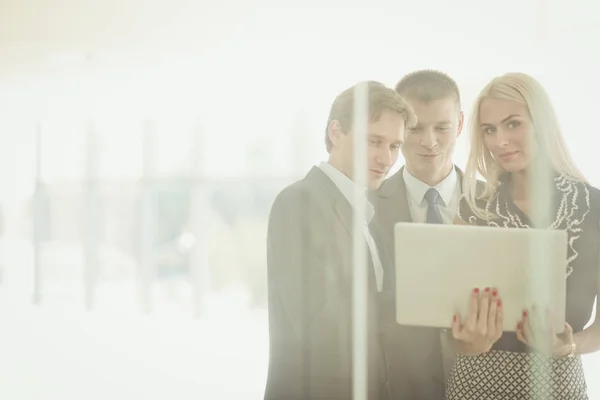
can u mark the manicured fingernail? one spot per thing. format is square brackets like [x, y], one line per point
[487, 289]
[495, 293]
[499, 303]
[455, 318]
[525, 313]
[476, 290]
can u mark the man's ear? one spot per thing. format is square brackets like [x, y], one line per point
[334, 132]
[461, 121]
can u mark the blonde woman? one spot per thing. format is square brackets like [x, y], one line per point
[514, 136]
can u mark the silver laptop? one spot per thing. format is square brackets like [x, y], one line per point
[438, 266]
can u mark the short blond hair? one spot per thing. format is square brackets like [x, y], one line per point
[428, 85]
[380, 99]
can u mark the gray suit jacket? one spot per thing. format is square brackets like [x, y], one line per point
[419, 358]
[309, 263]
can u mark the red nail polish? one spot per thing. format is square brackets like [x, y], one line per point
[455, 318]
[487, 289]
[495, 293]
[476, 290]
[499, 303]
[525, 313]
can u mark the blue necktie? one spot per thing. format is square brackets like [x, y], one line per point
[433, 212]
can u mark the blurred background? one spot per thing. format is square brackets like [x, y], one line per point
[143, 142]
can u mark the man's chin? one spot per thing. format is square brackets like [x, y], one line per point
[431, 167]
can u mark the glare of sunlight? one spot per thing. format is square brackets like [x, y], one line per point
[243, 94]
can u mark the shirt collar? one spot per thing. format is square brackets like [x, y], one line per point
[346, 186]
[417, 188]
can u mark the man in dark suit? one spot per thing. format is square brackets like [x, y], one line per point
[426, 189]
[310, 258]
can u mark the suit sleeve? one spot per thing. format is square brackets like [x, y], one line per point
[291, 259]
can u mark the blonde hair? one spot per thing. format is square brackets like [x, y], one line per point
[526, 90]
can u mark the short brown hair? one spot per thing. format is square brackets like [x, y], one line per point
[380, 99]
[427, 85]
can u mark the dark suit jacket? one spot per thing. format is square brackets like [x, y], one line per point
[309, 262]
[415, 357]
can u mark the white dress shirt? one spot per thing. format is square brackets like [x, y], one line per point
[346, 186]
[449, 190]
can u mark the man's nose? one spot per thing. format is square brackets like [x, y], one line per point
[428, 139]
[385, 157]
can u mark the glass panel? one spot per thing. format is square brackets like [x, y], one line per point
[184, 238]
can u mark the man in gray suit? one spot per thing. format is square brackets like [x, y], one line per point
[426, 189]
[310, 259]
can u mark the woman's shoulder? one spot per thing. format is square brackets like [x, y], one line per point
[580, 195]
[593, 196]
[579, 190]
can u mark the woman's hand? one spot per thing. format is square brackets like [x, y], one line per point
[483, 326]
[536, 330]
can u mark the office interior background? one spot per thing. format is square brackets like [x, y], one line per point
[142, 143]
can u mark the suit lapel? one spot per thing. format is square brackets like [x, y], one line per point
[393, 203]
[343, 209]
[344, 213]
[387, 262]
[391, 207]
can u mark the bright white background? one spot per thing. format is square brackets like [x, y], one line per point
[257, 80]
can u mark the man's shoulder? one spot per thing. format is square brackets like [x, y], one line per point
[392, 185]
[294, 192]
[394, 179]
[298, 196]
